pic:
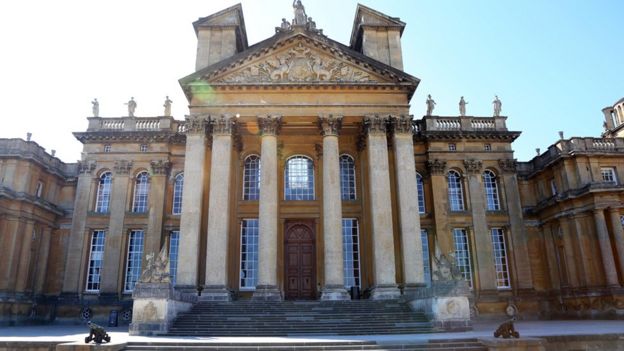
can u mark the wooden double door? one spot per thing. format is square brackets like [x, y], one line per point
[299, 260]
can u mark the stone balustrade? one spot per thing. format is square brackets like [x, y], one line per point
[132, 124]
[31, 150]
[464, 124]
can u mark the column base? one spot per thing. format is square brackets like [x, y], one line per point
[186, 293]
[215, 293]
[385, 292]
[334, 293]
[267, 293]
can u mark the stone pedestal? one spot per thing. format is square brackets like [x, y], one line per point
[267, 293]
[215, 293]
[445, 303]
[155, 307]
[521, 344]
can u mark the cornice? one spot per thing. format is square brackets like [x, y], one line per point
[473, 135]
[120, 136]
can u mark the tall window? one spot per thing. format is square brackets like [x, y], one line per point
[455, 191]
[249, 253]
[500, 259]
[251, 178]
[426, 259]
[420, 185]
[102, 199]
[141, 189]
[608, 175]
[178, 186]
[174, 244]
[39, 190]
[96, 257]
[299, 179]
[491, 191]
[462, 254]
[347, 177]
[133, 262]
[351, 252]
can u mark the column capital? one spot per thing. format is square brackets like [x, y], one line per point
[508, 165]
[196, 124]
[614, 210]
[86, 167]
[473, 166]
[224, 125]
[403, 124]
[375, 124]
[122, 167]
[329, 124]
[160, 167]
[270, 124]
[436, 166]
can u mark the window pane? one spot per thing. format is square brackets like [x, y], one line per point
[299, 179]
[500, 258]
[347, 177]
[174, 244]
[133, 263]
[462, 254]
[420, 185]
[178, 187]
[96, 257]
[455, 191]
[251, 178]
[141, 191]
[104, 190]
[351, 252]
[249, 253]
[426, 259]
[491, 191]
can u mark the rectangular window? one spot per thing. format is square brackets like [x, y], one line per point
[174, 244]
[96, 257]
[487, 147]
[351, 252]
[420, 186]
[39, 190]
[500, 258]
[553, 187]
[608, 175]
[143, 147]
[107, 148]
[426, 259]
[462, 254]
[249, 254]
[452, 147]
[133, 263]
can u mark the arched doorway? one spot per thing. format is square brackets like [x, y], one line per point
[300, 260]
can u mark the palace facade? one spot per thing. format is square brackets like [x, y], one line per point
[300, 174]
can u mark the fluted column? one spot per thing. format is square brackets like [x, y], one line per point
[385, 286]
[407, 191]
[604, 242]
[618, 236]
[216, 283]
[333, 286]
[266, 288]
[192, 195]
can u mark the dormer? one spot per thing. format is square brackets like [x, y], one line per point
[219, 36]
[378, 36]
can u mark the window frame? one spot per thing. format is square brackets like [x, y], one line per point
[462, 252]
[351, 266]
[455, 193]
[174, 250]
[248, 233]
[420, 187]
[348, 191]
[100, 244]
[613, 175]
[99, 207]
[310, 193]
[140, 198]
[134, 260]
[501, 262]
[491, 190]
[248, 194]
[424, 237]
[178, 191]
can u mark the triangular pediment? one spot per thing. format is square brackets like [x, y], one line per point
[303, 59]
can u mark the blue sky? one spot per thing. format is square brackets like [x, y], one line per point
[554, 64]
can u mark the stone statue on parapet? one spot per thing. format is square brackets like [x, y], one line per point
[285, 24]
[157, 268]
[95, 107]
[167, 107]
[301, 19]
[462, 106]
[132, 105]
[430, 105]
[498, 105]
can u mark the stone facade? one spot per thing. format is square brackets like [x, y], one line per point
[299, 174]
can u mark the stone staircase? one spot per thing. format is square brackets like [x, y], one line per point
[294, 318]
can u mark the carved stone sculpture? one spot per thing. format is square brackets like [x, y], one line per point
[462, 106]
[497, 106]
[430, 105]
[330, 125]
[132, 105]
[95, 107]
[436, 166]
[157, 268]
[301, 18]
[446, 269]
[507, 330]
[167, 106]
[97, 334]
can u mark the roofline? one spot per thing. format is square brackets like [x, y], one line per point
[355, 29]
[241, 18]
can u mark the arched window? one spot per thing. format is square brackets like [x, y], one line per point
[420, 185]
[141, 190]
[347, 177]
[455, 191]
[178, 186]
[491, 191]
[299, 179]
[251, 178]
[102, 200]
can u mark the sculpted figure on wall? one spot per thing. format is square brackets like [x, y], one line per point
[462, 106]
[132, 105]
[430, 105]
[497, 106]
[95, 108]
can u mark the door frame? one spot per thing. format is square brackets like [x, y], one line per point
[311, 225]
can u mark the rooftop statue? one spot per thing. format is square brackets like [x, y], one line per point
[497, 106]
[167, 106]
[430, 105]
[462, 106]
[96, 108]
[301, 19]
[131, 107]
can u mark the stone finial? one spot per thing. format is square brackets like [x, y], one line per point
[270, 125]
[160, 167]
[53, 153]
[436, 166]
[223, 125]
[561, 134]
[28, 136]
[402, 124]
[375, 124]
[473, 166]
[122, 167]
[537, 151]
[330, 124]
[196, 124]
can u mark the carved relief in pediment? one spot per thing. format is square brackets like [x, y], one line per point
[298, 64]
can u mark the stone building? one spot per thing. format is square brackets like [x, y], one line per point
[299, 174]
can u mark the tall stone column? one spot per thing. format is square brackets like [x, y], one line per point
[482, 236]
[385, 286]
[27, 236]
[571, 262]
[618, 236]
[10, 250]
[76, 260]
[42, 261]
[192, 195]
[583, 254]
[266, 288]
[113, 265]
[444, 238]
[407, 191]
[333, 287]
[216, 287]
[606, 252]
[158, 180]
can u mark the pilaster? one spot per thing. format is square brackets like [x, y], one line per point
[10, 250]
[608, 263]
[26, 236]
[42, 260]
[581, 252]
[568, 245]
[153, 236]
[618, 236]
[437, 170]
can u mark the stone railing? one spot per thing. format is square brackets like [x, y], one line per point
[31, 150]
[133, 124]
[466, 123]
